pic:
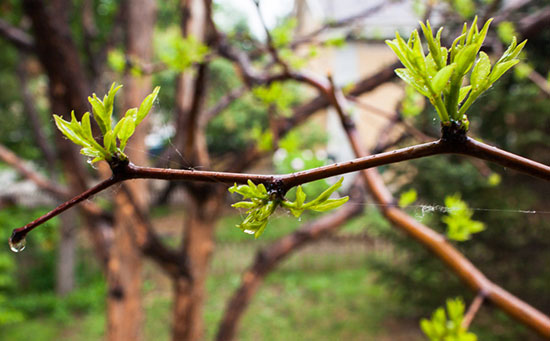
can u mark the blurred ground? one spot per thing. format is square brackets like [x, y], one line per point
[323, 292]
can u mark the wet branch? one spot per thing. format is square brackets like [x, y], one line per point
[434, 241]
[282, 183]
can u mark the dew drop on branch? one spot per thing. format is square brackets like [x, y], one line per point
[18, 246]
[249, 231]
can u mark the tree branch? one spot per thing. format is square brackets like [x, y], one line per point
[148, 241]
[20, 233]
[34, 120]
[17, 37]
[435, 242]
[221, 105]
[15, 162]
[473, 309]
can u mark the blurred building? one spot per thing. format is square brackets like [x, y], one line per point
[364, 54]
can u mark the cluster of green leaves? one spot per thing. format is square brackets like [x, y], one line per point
[460, 225]
[439, 328]
[114, 140]
[262, 204]
[180, 53]
[321, 203]
[282, 34]
[440, 74]
[276, 95]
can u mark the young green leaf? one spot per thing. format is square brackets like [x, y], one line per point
[482, 69]
[127, 128]
[325, 195]
[329, 204]
[407, 198]
[99, 114]
[434, 45]
[460, 225]
[300, 196]
[146, 105]
[410, 79]
[132, 114]
[500, 69]
[465, 59]
[262, 204]
[439, 328]
[393, 44]
[109, 142]
[68, 130]
[108, 103]
[441, 79]
[463, 93]
[91, 153]
[86, 127]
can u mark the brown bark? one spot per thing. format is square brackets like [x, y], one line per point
[190, 89]
[198, 245]
[125, 311]
[66, 254]
[124, 307]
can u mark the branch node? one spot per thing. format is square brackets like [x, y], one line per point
[453, 132]
[119, 166]
[276, 188]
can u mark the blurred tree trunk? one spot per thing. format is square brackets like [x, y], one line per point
[66, 255]
[125, 318]
[198, 244]
[202, 200]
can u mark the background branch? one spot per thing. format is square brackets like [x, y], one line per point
[17, 37]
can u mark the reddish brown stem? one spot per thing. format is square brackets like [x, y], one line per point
[283, 183]
[20, 233]
[486, 152]
[435, 242]
[473, 309]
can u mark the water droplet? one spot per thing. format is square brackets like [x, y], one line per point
[249, 231]
[18, 246]
[300, 219]
[92, 164]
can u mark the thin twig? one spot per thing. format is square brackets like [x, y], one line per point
[473, 309]
[149, 242]
[20, 233]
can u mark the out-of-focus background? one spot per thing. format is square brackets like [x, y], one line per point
[363, 281]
